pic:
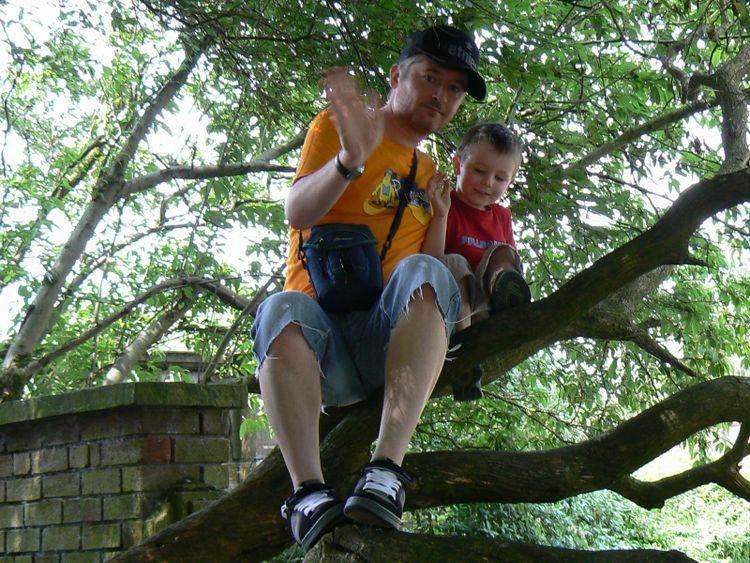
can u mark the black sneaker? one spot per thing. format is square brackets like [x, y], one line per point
[378, 498]
[510, 290]
[311, 512]
[468, 387]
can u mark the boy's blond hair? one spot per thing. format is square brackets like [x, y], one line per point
[502, 139]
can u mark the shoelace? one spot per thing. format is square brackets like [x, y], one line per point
[383, 481]
[312, 501]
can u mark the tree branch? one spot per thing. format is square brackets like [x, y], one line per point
[226, 295]
[635, 133]
[355, 544]
[137, 349]
[724, 472]
[729, 78]
[165, 95]
[261, 163]
[597, 325]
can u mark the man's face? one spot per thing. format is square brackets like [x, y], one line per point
[426, 94]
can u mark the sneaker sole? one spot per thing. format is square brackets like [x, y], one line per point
[510, 290]
[370, 513]
[325, 524]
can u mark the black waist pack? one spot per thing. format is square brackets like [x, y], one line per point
[344, 266]
[342, 259]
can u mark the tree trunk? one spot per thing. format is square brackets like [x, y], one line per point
[107, 192]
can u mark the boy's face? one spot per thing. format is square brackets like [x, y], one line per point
[484, 175]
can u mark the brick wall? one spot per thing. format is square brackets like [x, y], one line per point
[88, 474]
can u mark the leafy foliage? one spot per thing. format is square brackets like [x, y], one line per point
[594, 90]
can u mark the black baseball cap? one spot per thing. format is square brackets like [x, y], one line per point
[449, 47]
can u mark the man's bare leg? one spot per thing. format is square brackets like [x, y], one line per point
[415, 358]
[290, 386]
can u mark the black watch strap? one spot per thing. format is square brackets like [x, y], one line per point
[345, 172]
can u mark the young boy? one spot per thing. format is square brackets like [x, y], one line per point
[473, 234]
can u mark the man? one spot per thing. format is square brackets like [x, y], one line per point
[354, 160]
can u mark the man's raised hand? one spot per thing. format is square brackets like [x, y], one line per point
[360, 121]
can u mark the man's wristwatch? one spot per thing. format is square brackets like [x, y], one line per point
[345, 172]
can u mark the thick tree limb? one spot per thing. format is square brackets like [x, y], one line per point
[244, 526]
[600, 463]
[665, 243]
[354, 544]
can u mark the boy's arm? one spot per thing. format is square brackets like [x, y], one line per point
[439, 191]
[434, 240]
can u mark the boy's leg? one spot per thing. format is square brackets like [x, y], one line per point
[461, 270]
[468, 386]
[500, 273]
[497, 259]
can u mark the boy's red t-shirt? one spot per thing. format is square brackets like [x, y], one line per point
[471, 231]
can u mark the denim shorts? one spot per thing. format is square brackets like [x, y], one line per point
[351, 348]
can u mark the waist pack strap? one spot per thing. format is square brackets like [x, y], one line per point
[403, 197]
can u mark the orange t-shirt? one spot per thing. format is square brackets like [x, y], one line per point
[370, 200]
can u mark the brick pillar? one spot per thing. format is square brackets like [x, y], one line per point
[85, 475]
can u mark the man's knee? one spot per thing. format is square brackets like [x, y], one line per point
[505, 257]
[425, 293]
[288, 339]
[284, 321]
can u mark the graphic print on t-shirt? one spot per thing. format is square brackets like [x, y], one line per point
[385, 197]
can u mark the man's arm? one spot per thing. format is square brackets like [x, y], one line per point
[439, 191]
[360, 125]
[315, 194]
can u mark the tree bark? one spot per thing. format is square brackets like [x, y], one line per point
[353, 544]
